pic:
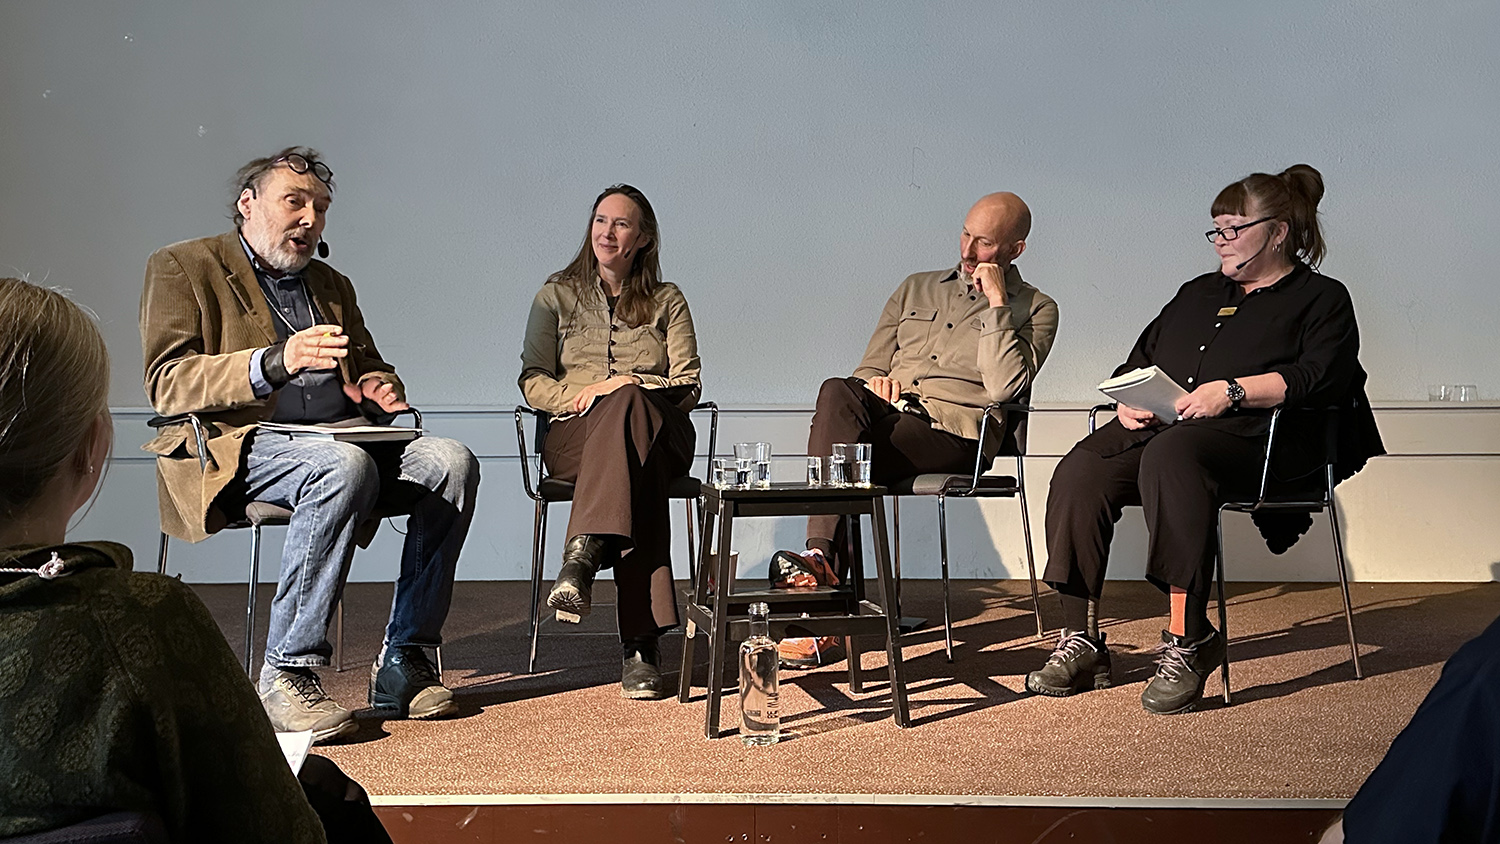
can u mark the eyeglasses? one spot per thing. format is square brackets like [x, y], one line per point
[299, 164]
[1229, 233]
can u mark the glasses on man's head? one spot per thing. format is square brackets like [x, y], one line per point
[299, 164]
[1230, 232]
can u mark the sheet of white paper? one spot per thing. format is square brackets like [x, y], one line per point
[294, 746]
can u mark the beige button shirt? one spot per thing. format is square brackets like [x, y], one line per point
[939, 337]
[572, 342]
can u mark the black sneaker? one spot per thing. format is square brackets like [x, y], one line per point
[294, 700]
[405, 684]
[1078, 664]
[1181, 671]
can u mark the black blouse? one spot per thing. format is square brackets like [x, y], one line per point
[1301, 327]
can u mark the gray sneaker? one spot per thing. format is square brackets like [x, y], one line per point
[1181, 671]
[1078, 664]
[294, 700]
[405, 684]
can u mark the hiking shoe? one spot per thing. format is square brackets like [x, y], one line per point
[1181, 671]
[1078, 663]
[405, 684]
[809, 652]
[294, 700]
[790, 569]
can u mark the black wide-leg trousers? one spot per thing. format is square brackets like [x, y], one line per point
[1179, 475]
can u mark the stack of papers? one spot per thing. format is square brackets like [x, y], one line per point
[1146, 389]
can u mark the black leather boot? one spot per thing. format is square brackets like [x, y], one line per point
[640, 669]
[573, 593]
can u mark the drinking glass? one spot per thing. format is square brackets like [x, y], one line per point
[1466, 392]
[759, 457]
[860, 463]
[722, 473]
[1439, 392]
[815, 471]
[838, 465]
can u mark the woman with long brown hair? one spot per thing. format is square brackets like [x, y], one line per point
[610, 353]
[1263, 330]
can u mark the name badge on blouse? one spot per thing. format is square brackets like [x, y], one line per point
[1227, 311]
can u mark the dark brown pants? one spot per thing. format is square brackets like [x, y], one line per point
[621, 455]
[1179, 477]
[902, 445]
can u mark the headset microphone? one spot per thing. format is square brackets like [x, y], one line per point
[322, 249]
[1240, 265]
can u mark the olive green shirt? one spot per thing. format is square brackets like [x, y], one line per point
[119, 693]
[939, 338]
[572, 342]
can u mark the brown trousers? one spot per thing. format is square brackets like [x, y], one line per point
[902, 445]
[1179, 477]
[621, 455]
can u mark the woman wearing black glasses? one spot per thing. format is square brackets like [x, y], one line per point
[611, 355]
[1263, 330]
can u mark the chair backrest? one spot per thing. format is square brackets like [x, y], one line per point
[114, 828]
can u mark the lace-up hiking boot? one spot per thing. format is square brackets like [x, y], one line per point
[640, 670]
[1181, 671]
[294, 701]
[1078, 664]
[809, 652]
[572, 595]
[405, 684]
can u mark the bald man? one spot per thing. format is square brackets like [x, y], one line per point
[948, 343]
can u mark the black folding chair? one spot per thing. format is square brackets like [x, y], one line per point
[549, 490]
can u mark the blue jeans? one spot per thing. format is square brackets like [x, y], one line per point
[332, 488]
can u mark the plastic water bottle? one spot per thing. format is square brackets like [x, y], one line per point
[760, 700]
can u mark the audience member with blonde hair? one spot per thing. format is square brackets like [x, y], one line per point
[117, 690]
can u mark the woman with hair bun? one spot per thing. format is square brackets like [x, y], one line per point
[1263, 330]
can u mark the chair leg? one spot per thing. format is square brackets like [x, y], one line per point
[896, 548]
[943, 546]
[687, 521]
[1036, 601]
[1338, 554]
[250, 603]
[338, 635]
[538, 548]
[1223, 613]
[161, 554]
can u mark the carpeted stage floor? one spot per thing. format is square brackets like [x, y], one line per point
[1300, 725]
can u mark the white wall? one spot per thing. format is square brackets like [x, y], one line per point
[1426, 512]
[803, 157]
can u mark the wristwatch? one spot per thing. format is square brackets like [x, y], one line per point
[1236, 394]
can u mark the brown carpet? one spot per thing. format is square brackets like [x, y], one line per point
[1300, 726]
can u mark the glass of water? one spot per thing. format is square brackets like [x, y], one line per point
[815, 471]
[859, 463]
[722, 473]
[1466, 392]
[838, 465]
[757, 463]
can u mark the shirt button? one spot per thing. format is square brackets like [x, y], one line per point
[614, 328]
[913, 313]
[611, 342]
[1190, 380]
[915, 381]
[309, 397]
[1201, 348]
[613, 373]
[971, 298]
[950, 325]
[934, 357]
[1218, 325]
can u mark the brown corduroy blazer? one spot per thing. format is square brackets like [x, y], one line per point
[203, 315]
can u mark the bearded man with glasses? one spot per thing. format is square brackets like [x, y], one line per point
[247, 327]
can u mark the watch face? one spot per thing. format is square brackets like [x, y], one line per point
[1235, 392]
